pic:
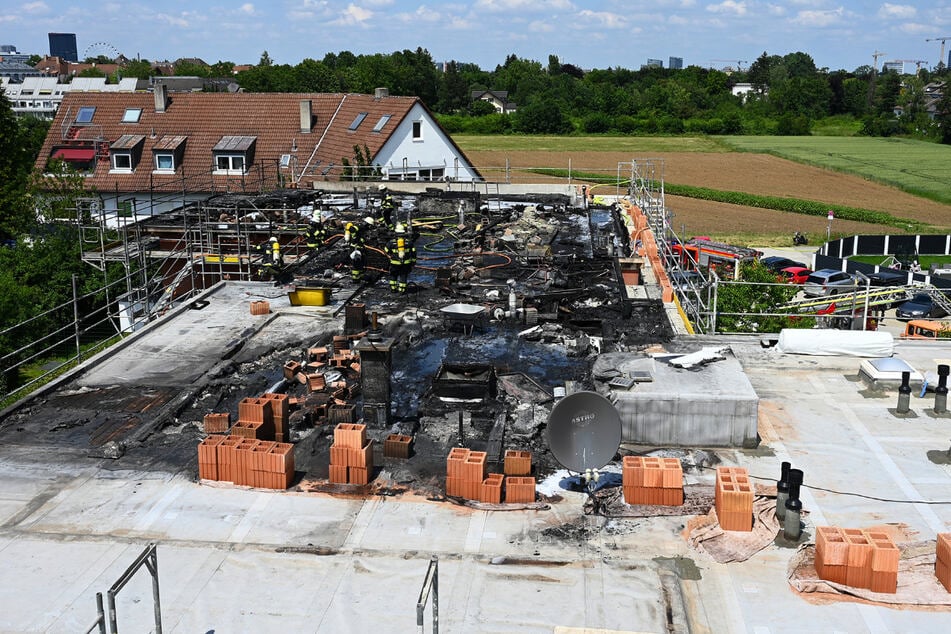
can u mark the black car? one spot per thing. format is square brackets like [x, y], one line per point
[920, 306]
[888, 278]
[777, 263]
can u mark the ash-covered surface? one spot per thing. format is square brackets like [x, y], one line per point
[542, 272]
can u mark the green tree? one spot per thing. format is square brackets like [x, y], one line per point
[139, 68]
[17, 153]
[453, 92]
[221, 69]
[544, 115]
[738, 304]
[190, 69]
[92, 71]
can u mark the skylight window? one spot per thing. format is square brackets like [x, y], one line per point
[382, 122]
[356, 122]
[85, 114]
[131, 115]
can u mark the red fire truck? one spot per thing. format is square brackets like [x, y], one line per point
[703, 252]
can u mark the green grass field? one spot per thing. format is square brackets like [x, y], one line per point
[913, 166]
[532, 143]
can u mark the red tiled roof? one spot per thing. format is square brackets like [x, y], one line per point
[204, 119]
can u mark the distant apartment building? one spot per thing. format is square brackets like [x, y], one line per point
[675, 63]
[895, 67]
[64, 45]
[654, 63]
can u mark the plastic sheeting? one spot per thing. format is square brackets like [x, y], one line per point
[845, 343]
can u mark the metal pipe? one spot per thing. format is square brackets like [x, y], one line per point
[941, 392]
[904, 394]
[792, 527]
[782, 491]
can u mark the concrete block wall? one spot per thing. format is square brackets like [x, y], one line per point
[650, 480]
[733, 499]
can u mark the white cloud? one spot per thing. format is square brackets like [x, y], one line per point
[604, 19]
[35, 7]
[498, 6]
[728, 6]
[916, 28]
[540, 26]
[354, 15]
[775, 10]
[422, 14]
[246, 8]
[897, 11]
[173, 20]
[818, 18]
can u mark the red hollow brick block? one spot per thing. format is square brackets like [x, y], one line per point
[519, 489]
[858, 576]
[943, 547]
[339, 456]
[835, 574]
[831, 547]
[454, 486]
[291, 368]
[281, 458]
[860, 549]
[260, 460]
[492, 489]
[360, 475]
[884, 581]
[942, 571]
[454, 461]
[673, 475]
[260, 307]
[517, 462]
[397, 446]
[318, 354]
[216, 423]
[226, 457]
[885, 556]
[474, 467]
[338, 474]
[673, 497]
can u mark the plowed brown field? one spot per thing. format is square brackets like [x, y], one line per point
[743, 172]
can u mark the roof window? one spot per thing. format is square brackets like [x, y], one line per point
[356, 122]
[382, 122]
[85, 114]
[131, 115]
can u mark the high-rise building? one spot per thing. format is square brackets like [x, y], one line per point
[675, 63]
[63, 45]
[895, 67]
[655, 63]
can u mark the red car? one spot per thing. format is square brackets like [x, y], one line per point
[794, 274]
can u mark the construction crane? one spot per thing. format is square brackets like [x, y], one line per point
[941, 62]
[916, 62]
[739, 63]
[875, 57]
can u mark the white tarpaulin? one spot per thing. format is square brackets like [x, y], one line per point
[846, 343]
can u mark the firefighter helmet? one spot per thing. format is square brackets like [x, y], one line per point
[400, 228]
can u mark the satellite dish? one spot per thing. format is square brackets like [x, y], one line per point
[584, 431]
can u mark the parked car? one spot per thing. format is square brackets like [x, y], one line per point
[825, 282]
[888, 278]
[926, 329]
[777, 263]
[920, 306]
[795, 274]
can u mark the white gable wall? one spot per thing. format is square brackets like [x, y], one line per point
[404, 158]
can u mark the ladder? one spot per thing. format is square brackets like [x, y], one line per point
[844, 301]
[939, 298]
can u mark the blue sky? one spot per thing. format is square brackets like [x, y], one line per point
[596, 34]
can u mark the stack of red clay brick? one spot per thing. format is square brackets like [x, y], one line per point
[329, 402]
[246, 461]
[858, 558]
[397, 446]
[519, 485]
[466, 477]
[655, 481]
[255, 419]
[351, 455]
[942, 563]
[734, 499]
[217, 423]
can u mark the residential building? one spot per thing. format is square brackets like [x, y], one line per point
[654, 63]
[41, 96]
[148, 153]
[675, 63]
[498, 98]
[17, 71]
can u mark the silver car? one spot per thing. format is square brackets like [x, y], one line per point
[825, 282]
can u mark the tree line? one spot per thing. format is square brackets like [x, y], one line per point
[789, 95]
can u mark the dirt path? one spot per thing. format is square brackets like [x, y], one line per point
[751, 173]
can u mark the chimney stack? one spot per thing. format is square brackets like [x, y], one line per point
[306, 118]
[381, 93]
[161, 97]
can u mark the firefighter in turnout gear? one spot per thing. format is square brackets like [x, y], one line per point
[315, 235]
[353, 235]
[402, 255]
[386, 209]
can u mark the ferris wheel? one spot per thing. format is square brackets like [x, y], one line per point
[104, 49]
